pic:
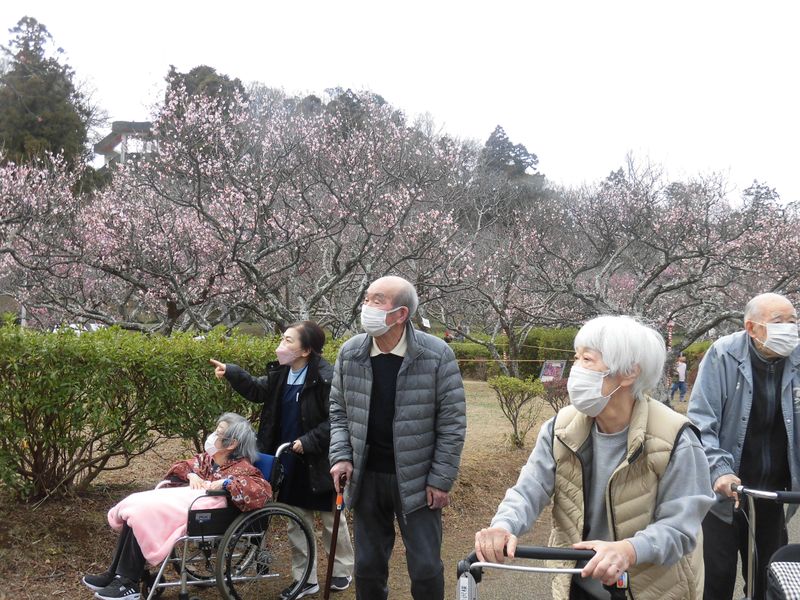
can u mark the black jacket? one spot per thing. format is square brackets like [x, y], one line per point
[314, 405]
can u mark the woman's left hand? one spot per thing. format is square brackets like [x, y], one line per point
[611, 559]
[214, 485]
[297, 447]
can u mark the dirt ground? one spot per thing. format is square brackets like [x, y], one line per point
[45, 550]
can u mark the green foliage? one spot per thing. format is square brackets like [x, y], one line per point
[41, 110]
[205, 80]
[546, 344]
[694, 354]
[73, 405]
[474, 360]
[518, 399]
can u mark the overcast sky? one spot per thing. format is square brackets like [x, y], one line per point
[697, 87]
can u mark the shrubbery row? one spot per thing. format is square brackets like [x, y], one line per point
[73, 405]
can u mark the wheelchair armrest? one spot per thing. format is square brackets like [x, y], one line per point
[216, 492]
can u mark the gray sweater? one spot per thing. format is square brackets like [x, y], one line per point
[683, 499]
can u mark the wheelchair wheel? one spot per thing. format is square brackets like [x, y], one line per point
[200, 560]
[255, 555]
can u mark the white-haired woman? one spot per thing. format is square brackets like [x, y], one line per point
[150, 522]
[627, 476]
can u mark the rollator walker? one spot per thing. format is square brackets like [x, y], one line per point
[470, 570]
[783, 569]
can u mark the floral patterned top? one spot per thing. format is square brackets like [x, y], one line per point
[248, 488]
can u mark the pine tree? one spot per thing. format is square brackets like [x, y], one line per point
[41, 110]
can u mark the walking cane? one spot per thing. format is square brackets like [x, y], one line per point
[337, 514]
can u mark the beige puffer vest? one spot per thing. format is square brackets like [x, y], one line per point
[630, 498]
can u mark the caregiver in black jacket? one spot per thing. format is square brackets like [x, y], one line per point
[294, 394]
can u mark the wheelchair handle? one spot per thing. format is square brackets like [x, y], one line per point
[285, 447]
[782, 497]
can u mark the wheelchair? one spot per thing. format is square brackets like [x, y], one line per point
[243, 554]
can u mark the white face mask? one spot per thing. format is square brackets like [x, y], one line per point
[585, 388]
[782, 338]
[373, 320]
[210, 445]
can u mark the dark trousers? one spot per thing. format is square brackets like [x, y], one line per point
[722, 541]
[128, 561]
[373, 524]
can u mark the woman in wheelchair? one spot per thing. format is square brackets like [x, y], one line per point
[294, 394]
[149, 522]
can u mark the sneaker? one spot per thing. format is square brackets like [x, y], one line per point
[306, 590]
[98, 582]
[340, 583]
[119, 589]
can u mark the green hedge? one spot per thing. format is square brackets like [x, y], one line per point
[541, 344]
[474, 360]
[74, 405]
[546, 344]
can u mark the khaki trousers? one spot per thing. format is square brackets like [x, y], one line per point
[343, 561]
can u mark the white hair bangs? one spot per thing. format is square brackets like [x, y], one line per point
[626, 344]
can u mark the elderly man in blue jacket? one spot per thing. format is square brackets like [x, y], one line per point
[744, 402]
[398, 421]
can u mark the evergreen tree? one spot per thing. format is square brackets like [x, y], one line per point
[41, 110]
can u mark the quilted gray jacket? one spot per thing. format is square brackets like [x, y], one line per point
[429, 420]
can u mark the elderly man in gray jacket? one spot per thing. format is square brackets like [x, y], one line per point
[744, 402]
[398, 420]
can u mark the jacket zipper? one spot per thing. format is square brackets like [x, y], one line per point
[633, 457]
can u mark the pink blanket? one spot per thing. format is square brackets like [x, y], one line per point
[158, 517]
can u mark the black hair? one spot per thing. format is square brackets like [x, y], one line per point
[311, 335]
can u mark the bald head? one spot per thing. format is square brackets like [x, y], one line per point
[398, 290]
[762, 312]
[765, 308]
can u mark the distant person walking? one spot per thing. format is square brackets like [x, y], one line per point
[679, 385]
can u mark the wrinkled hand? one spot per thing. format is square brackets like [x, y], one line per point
[219, 368]
[489, 544]
[436, 498]
[723, 486]
[214, 485]
[611, 559]
[196, 482]
[343, 467]
[297, 447]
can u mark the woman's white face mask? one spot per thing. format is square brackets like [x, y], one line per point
[585, 388]
[210, 445]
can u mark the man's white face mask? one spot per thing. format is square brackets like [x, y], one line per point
[782, 338]
[373, 320]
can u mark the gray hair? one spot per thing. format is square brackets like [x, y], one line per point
[406, 296]
[754, 309]
[626, 344]
[239, 430]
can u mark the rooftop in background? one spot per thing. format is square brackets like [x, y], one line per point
[122, 134]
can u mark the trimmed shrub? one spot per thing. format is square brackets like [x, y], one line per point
[518, 399]
[546, 344]
[474, 360]
[75, 405]
[555, 394]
